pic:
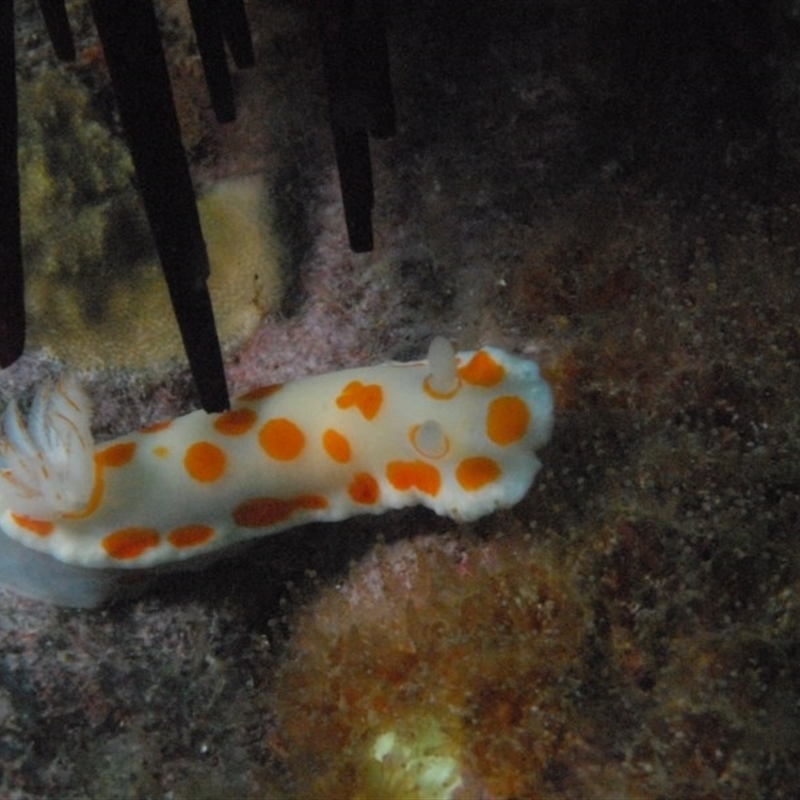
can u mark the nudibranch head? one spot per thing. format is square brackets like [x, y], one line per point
[489, 413]
[457, 433]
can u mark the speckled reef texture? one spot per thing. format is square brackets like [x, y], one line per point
[612, 189]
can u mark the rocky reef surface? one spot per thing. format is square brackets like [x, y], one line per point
[609, 191]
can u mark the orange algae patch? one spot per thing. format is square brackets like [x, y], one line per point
[474, 473]
[368, 399]
[205, 462]
[566, 373]
[41, 527]
[259, 393]
[405, 475]
[364, 489]
[190, 535]
[482, 370]
[235, 422]
[261, 512]
[281, 439]
[478, 642]
[117, 455]
[507, 420]
[130, 543]
[336, 446]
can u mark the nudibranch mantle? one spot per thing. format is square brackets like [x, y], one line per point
[456, 433]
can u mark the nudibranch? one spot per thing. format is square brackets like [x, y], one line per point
[82, 524]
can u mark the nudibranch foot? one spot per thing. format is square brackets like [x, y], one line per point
[82, 524]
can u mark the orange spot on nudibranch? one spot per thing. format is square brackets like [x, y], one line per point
[281, 439]
[429, 440]
[474, 473]
[261, 512]
[160, 451]
[235, 422]
[482, 370]
[130, 543]
[259, 393]
[190, 535]
[368, 399]
[364, 489]
[97, 493]
[336, 446]
[117, 455]
[405, 475]
[428, 389]
[204, 462]
[41, 527]
[157, 426]
[507, 420]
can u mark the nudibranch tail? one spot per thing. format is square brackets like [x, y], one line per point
[47, 467]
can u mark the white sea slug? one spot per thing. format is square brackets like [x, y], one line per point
[82, 524]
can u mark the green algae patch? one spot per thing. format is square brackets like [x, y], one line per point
[95, 293]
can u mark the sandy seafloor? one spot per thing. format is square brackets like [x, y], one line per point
[613, 192]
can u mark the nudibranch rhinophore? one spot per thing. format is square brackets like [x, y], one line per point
[83, 524]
